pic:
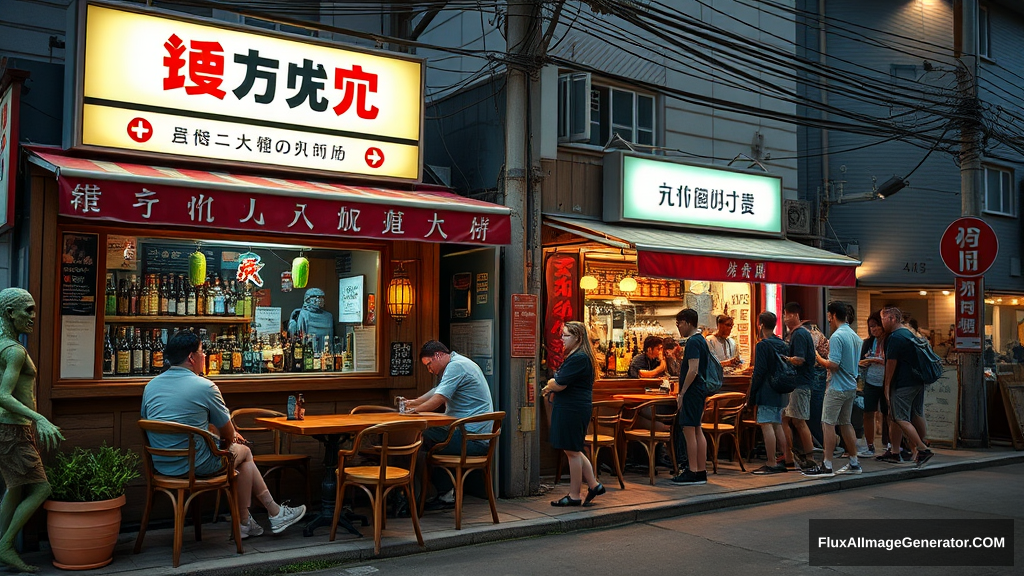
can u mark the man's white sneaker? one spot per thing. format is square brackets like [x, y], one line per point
[250, 528]
[286, 517]
[448, 498]
[850, 469]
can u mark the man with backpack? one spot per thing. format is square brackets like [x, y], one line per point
[770, 385]
[690, 401]
[836, 410]
[798, 411]
[904, 385]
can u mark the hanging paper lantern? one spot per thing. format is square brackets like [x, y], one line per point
[300, 272]
[197, 268]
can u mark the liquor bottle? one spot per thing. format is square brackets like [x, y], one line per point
[300, 408]
[163, 295]
[277, 355]
[229, 299]
[108, 352]
[111, 301]
[208, 287]
[137, 353]
[133, 296]
[297, 354]
[154, 295]
[249, 355]
[181, 296]
[201, 300]
[213, 358]
[307, 354]
[123, 355]
[144, 298]
[226, 357]
[190, 299]
[327, 359]
[147, 355]
[157, 363]
[347, 364]
[247, 306]
[218, 298]
[122, 297]
[239, 300]
[317, 364]
[236, 356]
[610, 363]
[172, 297]
[339, 356]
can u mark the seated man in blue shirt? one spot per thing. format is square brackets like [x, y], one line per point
[463, 391]
[182, 395]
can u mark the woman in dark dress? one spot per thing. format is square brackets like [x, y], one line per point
[572, 388]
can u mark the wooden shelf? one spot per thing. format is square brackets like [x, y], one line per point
[177, 320]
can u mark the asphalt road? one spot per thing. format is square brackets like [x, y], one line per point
[764, 539]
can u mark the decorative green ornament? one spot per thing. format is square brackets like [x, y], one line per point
[300, 272]
[197, 268]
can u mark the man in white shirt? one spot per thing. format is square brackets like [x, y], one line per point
[722, 346]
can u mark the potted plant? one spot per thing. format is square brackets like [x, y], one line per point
[84, 511]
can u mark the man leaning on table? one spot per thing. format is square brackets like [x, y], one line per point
[463, 391]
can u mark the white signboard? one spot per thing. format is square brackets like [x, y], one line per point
[364, 340]
[268, 320]
[350, 300]
[648, 190]
[941, 409]
[172, 85]
[77, 346]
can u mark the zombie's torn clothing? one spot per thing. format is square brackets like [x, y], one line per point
[19, 459]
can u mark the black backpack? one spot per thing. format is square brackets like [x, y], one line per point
[928, 365]
[783, 379]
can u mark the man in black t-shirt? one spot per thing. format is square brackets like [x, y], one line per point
[650, 364]
[903, 389]
[691, 398]
[798, 411]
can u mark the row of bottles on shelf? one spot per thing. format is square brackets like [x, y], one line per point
[175, 295]
[137, 352]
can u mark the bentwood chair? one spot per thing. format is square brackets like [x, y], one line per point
[458, 466]
[281, 459]
[747, 427]
[183, 490]
[721, 413]
[392, 442]
[602, 433]
[652, 435]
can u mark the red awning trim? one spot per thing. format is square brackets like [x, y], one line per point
[151, 195]
[722, 269]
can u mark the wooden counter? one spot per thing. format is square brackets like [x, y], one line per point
[606, 388]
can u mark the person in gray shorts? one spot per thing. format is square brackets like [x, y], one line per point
[903, 387]
[798, 411]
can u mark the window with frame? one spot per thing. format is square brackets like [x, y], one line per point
[999, 191]
[591, 114]
[984, 39]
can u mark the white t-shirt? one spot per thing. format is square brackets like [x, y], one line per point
[722, 348]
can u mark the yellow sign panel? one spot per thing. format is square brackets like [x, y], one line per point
[169, 86]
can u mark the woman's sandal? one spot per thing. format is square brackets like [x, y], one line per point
[566, 501]
[591, 494]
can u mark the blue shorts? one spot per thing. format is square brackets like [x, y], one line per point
[769, 415]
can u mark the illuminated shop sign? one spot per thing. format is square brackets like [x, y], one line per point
[648, 190]
[171, 86]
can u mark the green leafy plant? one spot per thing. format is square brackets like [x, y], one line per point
[92, 475]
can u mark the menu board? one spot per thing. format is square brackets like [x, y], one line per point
[941, 407]
[365, 344]
[78, 275]
[267, 320]
[401, 359]
[524, 325]
[173, 258]
[350, 299]
[77, 346]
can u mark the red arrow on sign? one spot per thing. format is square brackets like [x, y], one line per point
[374, 157]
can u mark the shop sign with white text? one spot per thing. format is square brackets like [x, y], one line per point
[648, 190]
[166, 85]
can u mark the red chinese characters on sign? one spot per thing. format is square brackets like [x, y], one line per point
[969, 247]
[249, 266]
[741, 270]
[560, 280]
[205, 68]
[969, 305]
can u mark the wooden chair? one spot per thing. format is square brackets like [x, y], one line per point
[281, 459]
[459, 466]
[602, 433]
[649, 438]
[391, 441]
[182, 490]
[747, 426]
[721, 413]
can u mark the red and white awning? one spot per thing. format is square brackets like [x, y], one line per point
[152, 195]
[719, 257]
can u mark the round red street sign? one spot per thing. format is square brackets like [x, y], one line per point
[140, 130]
[374, 157]
[968, 247]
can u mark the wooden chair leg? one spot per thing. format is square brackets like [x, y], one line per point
[378, 519]
[618, 467]
[236, 528]
[490, 494]
[179, 528]
[460, 477]
[145, 521]
[413, 515]
[714, 453]
[672, 456]
[423, 487]
[739, 457]
[339, 494]
[216, 507]
[197, 516]
[650, 460]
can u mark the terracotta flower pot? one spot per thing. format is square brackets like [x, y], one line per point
[83, 534]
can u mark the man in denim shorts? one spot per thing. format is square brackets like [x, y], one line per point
[843, 357]
[798, 411]
[769, 402]
[903, 388]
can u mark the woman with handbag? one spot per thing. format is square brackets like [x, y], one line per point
[572, 388]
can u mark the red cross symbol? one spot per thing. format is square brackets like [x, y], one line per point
[374, 158]
[140, 130]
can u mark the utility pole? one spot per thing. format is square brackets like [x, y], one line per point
[520, 425]
[973, 413]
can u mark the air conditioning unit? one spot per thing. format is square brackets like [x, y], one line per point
[798, 217]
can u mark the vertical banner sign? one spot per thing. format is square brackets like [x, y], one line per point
[78, 275]
[524, 325]
[560, 282]
[969, 325]
[10, 89]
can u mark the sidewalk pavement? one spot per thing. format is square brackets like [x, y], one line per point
[520, 517]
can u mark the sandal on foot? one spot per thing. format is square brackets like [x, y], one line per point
[566, 501]
[591, 494]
